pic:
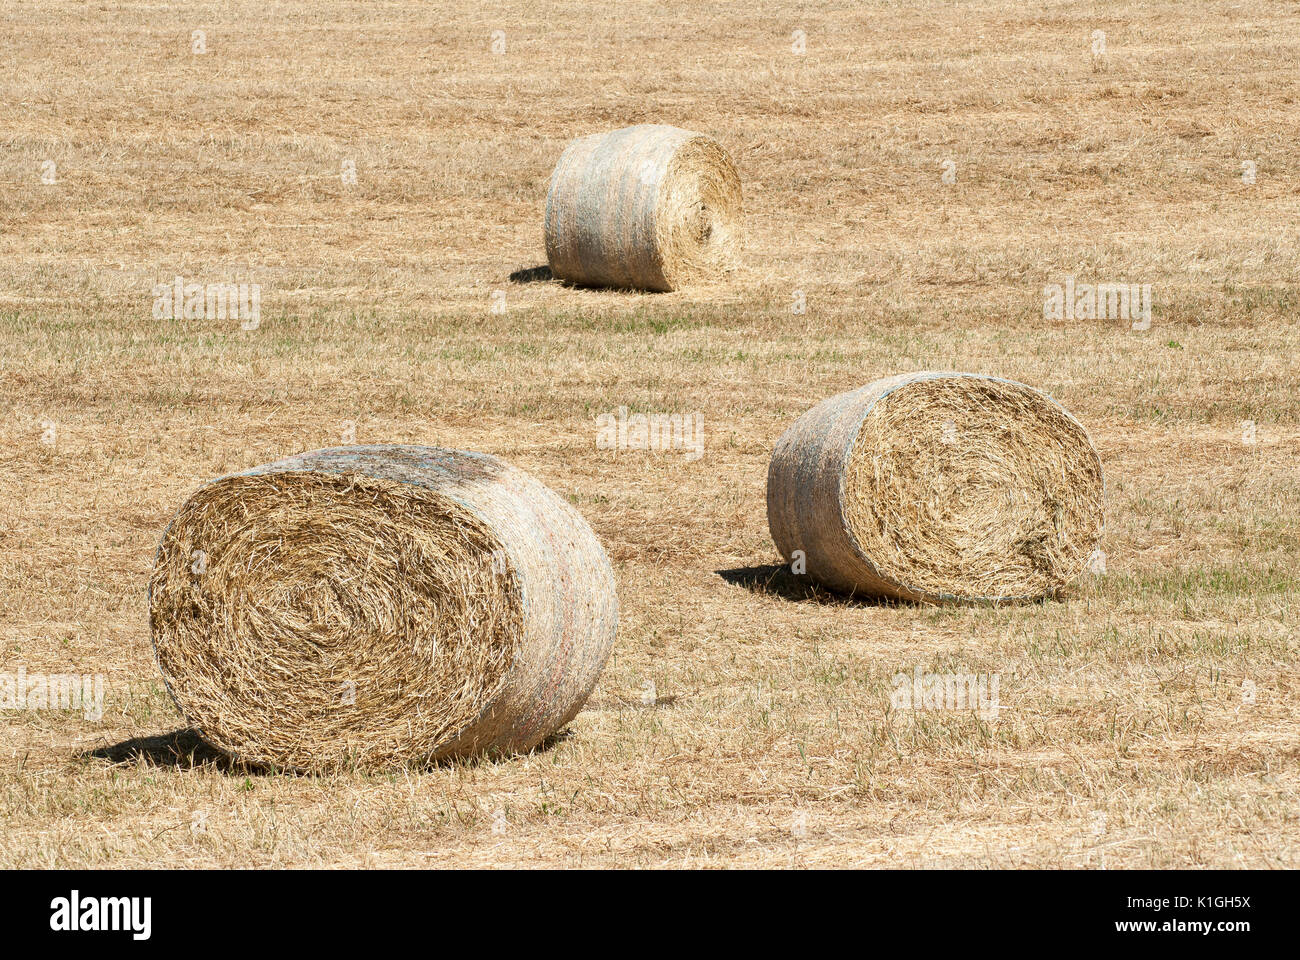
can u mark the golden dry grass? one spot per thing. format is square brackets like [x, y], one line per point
[743, 720]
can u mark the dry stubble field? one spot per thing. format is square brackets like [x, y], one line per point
[1149, 719]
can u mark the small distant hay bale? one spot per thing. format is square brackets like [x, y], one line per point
[649, 207]
[938, 487]
[379, 606]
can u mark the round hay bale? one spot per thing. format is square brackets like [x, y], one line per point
[375, 606]
[649, 207]
[938, 487]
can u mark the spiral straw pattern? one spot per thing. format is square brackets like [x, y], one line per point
[378, 606]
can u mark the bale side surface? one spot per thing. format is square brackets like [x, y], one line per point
[377, 606]
[648, 207]
[938, 487]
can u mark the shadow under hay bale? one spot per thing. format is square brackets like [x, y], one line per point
[776, 580]
[541, 274]
[184, 749]
[938, 487]
[380, 606]
[649, 207]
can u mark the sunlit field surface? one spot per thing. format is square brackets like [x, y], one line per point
[916, 177]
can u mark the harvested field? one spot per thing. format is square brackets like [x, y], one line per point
[922, 185]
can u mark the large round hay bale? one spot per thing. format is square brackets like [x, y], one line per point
[377, 606]
[649, 207]
[937, 487]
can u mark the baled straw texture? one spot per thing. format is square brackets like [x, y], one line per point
[649, 207]
[938, 487]
[376, 606]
